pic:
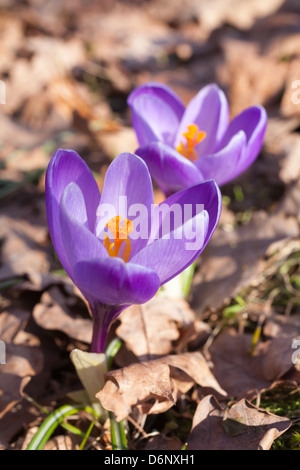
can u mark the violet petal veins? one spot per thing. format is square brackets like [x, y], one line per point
[119, 248]
[182, 146]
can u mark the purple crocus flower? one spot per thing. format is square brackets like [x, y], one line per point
[182, 146]
[103, 251]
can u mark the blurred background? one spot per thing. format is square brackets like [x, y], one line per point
[69, 66]
[66, 70]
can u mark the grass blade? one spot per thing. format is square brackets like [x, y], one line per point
[52, 421]
[118, 435]
[86, 436]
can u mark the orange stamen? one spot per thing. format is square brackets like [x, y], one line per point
[193, 136]
[119, 235]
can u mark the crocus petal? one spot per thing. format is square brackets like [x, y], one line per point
[78, 241]
[127, 183]
[253, 122]
[171, 171]
[111, 281]
[206, 193]
[171, 254]
[67, 166]
[156, 113]
[224, 165]
[209, 111]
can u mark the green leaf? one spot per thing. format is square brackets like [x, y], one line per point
[52, 421]
[118, 435]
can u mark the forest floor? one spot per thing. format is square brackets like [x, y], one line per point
[226, 355]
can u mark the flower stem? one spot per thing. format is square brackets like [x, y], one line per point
[103, 317]
[100, 330]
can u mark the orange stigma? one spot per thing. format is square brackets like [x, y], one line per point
[193, 137]
[119, 235]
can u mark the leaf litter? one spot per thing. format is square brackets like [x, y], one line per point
[193, 370]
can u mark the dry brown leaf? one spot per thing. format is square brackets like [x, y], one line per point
[190, 368]
[164, 443]
[195, 336]
[69, 97]
[28, 160]
[29, 435]
[253, 78]
[62, 443]
[10, 36]
[277, 356]
[15, 135]
[278, 352]
[23, 359]
[26, 357]
[241, 427]
[22, 250]
[290, 166]
[243, 374]
[114, 141]
[289, 107]
[213, 14]
[52, 58]
[52, 313]
[139, 329]
[234, 259]
[282, 146]
[144, 385]
[153, 387]
[22, 362]
[290, 203]
[236, 370]
[11, 323]
[141, 35]
[282, 325]
[13, 423]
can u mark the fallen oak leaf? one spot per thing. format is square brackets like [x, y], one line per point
[163, 443]
[234, 260]
[139, 331]
[278, 325]
[22, 246]
[257, 69]
[142, 384]
[23, 359]
[241, 427]
[277, 356]
[11, 322]
[243, 374]
[262, 425]
[22, 362]
[63, 443]
[52, 313]
[153, 387]
[194, 335]
[190, 368]
[237, 371]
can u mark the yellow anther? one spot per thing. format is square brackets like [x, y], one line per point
[119, 235]
[193, 136]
